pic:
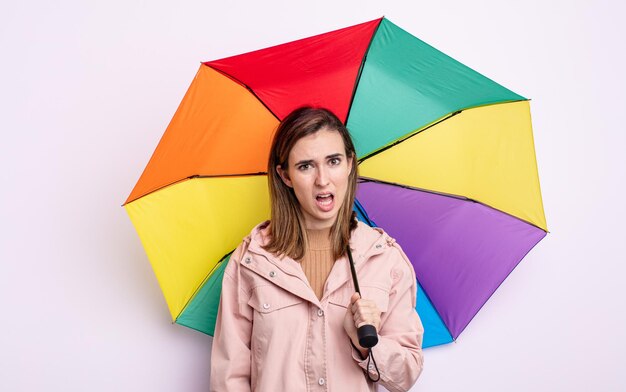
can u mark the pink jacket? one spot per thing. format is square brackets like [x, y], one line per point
[274, 334]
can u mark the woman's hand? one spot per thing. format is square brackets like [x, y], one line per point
[360, 312]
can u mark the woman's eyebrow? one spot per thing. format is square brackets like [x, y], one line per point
[309, 161]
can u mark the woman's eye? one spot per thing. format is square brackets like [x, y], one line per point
[335, 161]
[304, 167]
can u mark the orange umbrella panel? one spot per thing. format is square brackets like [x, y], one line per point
[220, 128]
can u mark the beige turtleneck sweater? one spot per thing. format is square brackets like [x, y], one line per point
[318, 259]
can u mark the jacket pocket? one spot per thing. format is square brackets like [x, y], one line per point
[339, 299]
[377, 294]
[277, 321]
[269, 298]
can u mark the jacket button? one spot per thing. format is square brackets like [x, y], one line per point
[379, 246]
[266, 306]
[248, 260]
[320, 312]
[272, 274]
[321, 381]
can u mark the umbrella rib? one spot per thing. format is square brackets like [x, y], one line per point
[195, 176]
[206, 278]
[409, 136]
[414, 188]
[358, 76]
[227, 175]
[460, 197]
[439, 314]
[157, 189]
[234, 79]
[432, 125]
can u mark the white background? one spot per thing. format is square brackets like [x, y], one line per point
[88, 87]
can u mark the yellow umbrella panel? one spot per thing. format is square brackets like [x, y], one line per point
[485, 154]
[188, 227]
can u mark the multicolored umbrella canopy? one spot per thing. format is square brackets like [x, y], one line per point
[446, 159]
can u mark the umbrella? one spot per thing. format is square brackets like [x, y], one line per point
[446, 157]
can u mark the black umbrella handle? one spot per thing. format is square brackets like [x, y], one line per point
[368, 337]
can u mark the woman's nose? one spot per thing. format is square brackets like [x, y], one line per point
[322, 177]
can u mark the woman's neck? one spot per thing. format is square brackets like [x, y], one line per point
[318, 238]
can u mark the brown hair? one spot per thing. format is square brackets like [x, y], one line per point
[287, 228]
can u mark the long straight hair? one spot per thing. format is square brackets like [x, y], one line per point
[287, 227]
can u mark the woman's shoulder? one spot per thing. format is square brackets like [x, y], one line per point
[376, 241]
[365, 236]
[259, 233]
[256, 238]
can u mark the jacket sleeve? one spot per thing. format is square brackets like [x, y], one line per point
[398, 354]
[230, 354]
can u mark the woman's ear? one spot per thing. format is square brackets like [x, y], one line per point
[284, 176]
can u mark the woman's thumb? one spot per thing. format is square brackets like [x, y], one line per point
[354, 297]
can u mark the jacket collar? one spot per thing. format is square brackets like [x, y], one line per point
[365, 242]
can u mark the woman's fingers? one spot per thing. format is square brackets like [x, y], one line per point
[365, 311]
[370, 318]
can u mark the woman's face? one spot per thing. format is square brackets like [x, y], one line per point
[318, 172]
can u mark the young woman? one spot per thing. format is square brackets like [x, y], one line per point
[289, 313]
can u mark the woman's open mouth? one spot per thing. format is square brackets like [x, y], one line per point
[325, 201]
